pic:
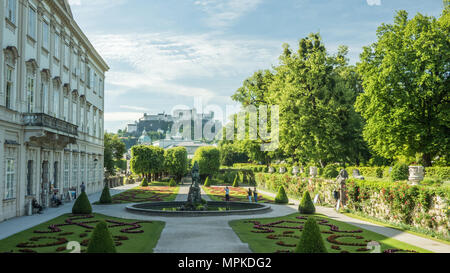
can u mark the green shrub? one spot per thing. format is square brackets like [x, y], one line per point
[207, 182]
[82, 205]
[208, 159]
[311, 240]
[144, 183]
[306, 205]
[236, 181]
[101, 240]
[438, 172]
[400, 172]
[281, 197]
[330, 171]
[172, 183]
[379, 172]
[105, 198]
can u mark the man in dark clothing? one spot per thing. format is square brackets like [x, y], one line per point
[35, 205]
[83, 187]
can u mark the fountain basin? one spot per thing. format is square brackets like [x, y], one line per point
[215, 208]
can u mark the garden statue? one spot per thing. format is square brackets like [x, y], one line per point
[295, 170]
[194, 196]
[282, 170]
[313, 171]
[357, 174]
[271, 169]
[341, 181]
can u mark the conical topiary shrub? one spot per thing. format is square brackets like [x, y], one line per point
[236, 181]
[144, 183]
[106, 196]
[207, 182]
[101, 240]
[306, 205]
[311, 240]
[281, 197]
[172, 183]
[82, 205]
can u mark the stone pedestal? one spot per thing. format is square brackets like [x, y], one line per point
[282, 170]
[416, 174]
[313, 171]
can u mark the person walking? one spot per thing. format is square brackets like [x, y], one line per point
[250, 195]
[227, 194]
[255, 195]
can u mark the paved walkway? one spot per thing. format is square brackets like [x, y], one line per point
[396, 234]
[19, 224]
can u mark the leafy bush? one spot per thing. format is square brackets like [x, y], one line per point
[281, 197]
[101, 240]
[438, 172]
[330, 171]
[208, 159]
[105, 198]
[172, 183]
[311, 240]
[176, 161]
[144, 183]
[236, 181]
[306, 205]
[207, 182]
[82, 205]
[400, 172]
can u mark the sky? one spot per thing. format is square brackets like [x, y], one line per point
[166, 54]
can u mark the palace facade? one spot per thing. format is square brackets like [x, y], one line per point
[51, 105]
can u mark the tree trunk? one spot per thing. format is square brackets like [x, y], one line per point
[426, 160]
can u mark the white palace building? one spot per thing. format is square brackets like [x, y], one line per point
[51, 105]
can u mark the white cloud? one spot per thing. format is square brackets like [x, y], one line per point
[158, 62]
[122, 116]
[374, 2]
[135, 108]
[222, 13]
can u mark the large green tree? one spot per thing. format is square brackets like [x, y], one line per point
[208, 159]
[406, 87]
[176, 161]
[316, 92]
[147, 161]
[114, 149]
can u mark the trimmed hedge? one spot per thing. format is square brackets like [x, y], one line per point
[281, 197]
[331, 171]
[306, 205]
[82, 205]
[172, 183]
[101, 240]
[400, 172]
[105, 198]
[438, 172]
[311, 240]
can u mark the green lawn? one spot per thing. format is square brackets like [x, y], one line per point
[146, 194]
[281, 234]
[141, 237]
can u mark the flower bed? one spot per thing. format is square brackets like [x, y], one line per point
[281, 235]
[54, 236]
[146, 194]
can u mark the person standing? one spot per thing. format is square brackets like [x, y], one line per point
[255, 195]
[83, 187]
[250, 195]
[227, 194]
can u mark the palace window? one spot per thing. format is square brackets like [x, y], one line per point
[82, 168]
[45, 35]
[9, 87]
[10, 178]
[75, 171]
[95, 123]
[66, 108]
[30, 92]
[44, 96]
[66, 55]
[30, 177]
[81, 118]
[74, 113]
[57, 46]
[88, 77]
[32, 23]
[66, 173]
[55, 102]
[75, 63]
[11, 11]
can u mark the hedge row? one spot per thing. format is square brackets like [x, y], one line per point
[430, 172]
